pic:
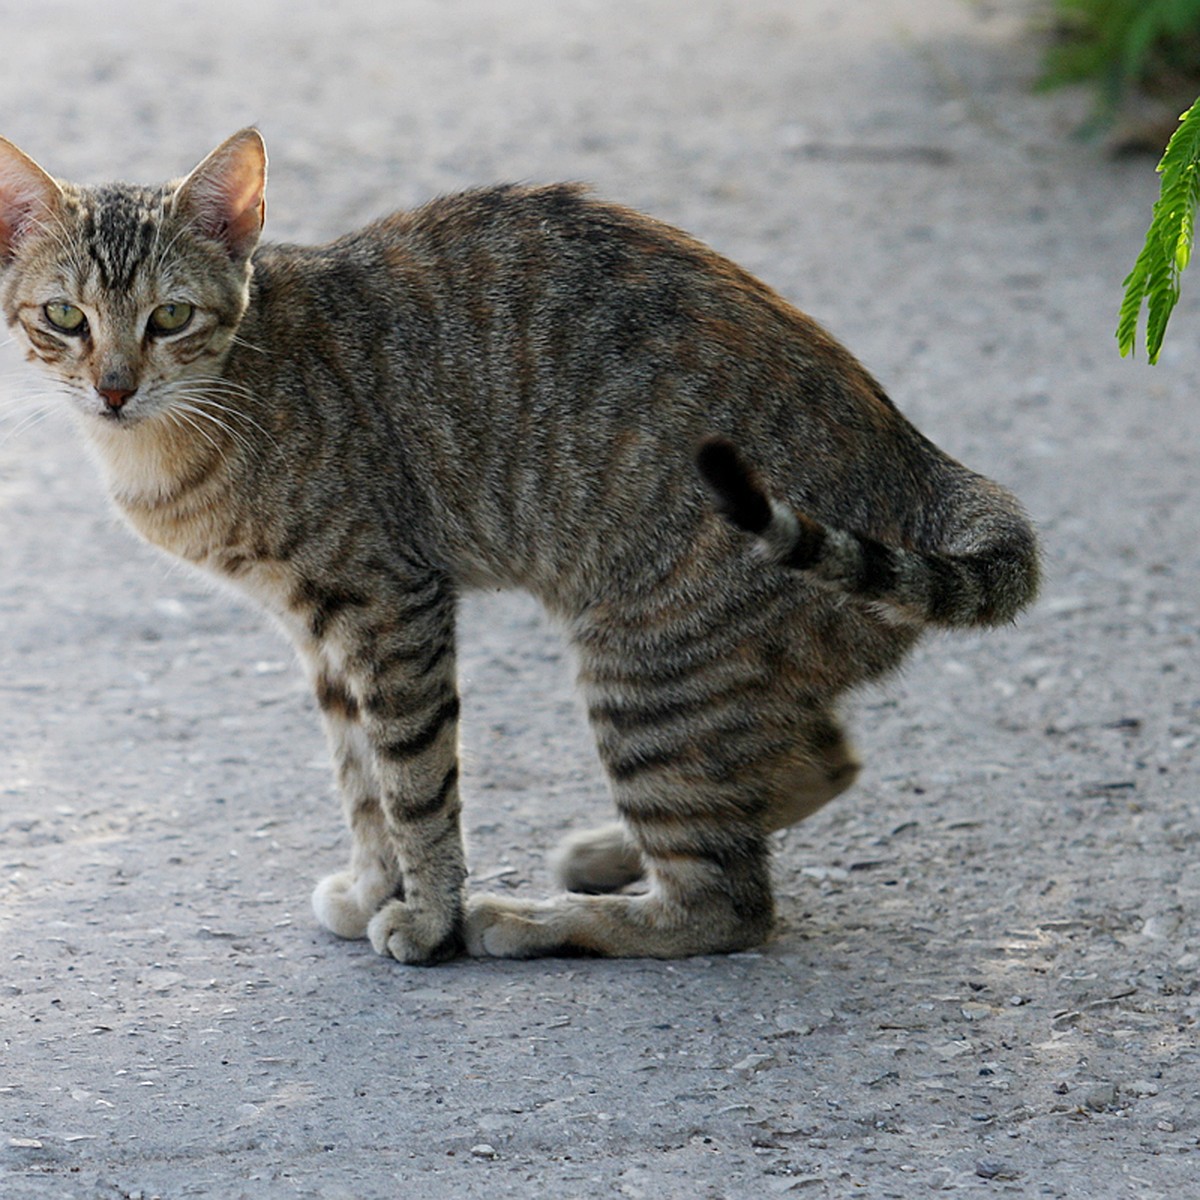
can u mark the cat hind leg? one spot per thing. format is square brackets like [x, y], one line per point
[823, 765]
[660, 923]
[708, 886]
[607, 859]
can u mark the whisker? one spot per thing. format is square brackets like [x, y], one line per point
[56, 231]
[241, 341]
[158, 228]
[25, 424]
[179, 415]
[200, 416]
[236, 436]
[221, 383]
[23, 399]
[208, 396]
[165, 251]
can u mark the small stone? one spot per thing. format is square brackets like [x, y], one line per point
[25, 1143]
[483, 1150]
[948, 1050]
[790, 1023]
[752, 1063]
[1102, 1097]
[826, 874]
[993, 1168]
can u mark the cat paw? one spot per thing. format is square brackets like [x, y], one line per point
[597, 860]
[342, 907]
[415, 937]
[500, 928]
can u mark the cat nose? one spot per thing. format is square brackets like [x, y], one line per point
[115, 397]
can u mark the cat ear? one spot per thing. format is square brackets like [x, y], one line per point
[225, 196]
[27, 197]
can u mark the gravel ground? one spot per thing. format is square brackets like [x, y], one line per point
[984, 982]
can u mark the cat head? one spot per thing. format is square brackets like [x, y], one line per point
[129, 295]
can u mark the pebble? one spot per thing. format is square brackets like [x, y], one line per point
[754, 1062]
[994, 1168]
[483, 1150]
[947, 1050]
[1102, 1097]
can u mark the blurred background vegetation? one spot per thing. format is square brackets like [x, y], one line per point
[1141, 56]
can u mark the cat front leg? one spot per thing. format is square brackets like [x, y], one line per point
[417, 760]
[346, 901]
[397, 653]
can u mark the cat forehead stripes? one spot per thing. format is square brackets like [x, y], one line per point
[119, 224]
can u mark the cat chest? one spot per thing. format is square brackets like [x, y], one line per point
[211, 539]
[299, 606]
[208, 545]
[272, 585]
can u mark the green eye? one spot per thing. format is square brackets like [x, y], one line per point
[170, 318]
[65, 316]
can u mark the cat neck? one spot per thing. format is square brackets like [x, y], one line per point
[156, 460]
[170, 481]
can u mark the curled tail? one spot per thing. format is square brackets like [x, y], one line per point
[985, 584]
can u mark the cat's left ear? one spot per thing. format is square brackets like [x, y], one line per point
[28, 196]
[226, 194]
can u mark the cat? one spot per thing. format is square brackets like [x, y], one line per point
[519, 386]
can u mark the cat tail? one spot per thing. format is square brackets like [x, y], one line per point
[987, 584]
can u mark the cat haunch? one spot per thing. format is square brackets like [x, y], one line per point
[505, 388]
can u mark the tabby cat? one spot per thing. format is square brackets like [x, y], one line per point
[511, 387]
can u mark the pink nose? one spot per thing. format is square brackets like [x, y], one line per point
[115, 398]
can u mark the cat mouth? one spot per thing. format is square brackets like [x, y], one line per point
[116, 417]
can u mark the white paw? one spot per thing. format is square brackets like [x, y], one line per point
[499, 928]
[413, 936]
[338, 905]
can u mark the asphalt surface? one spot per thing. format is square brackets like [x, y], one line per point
[984, 981]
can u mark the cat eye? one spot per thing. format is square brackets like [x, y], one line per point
[65, 317]
[170, 318]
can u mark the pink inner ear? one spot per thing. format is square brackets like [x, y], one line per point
[28, 196]
[224, 195]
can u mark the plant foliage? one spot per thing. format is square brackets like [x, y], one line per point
[1124, 44]
[1168, 248]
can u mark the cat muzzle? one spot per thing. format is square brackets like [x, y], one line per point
[115, 398]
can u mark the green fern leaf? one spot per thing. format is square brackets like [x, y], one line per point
[1154, 279]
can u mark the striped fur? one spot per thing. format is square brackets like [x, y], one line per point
[504, 389]
[986, 579]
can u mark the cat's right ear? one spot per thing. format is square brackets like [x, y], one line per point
[225, 196]
[28, 198]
